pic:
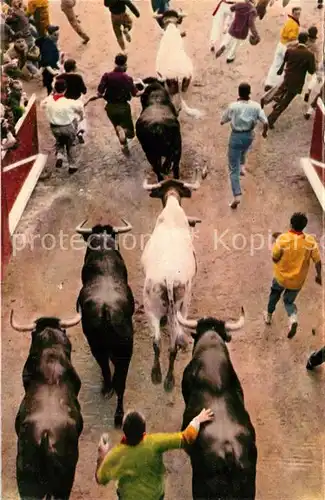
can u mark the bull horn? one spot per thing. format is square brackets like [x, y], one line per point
[189, 323]
[71, 322]
[123, 229]
[196, 184]
[182, 14]
[236, 325]
[156, 15]
[150, 187]
[193, 220]
[83, 230]
[21, 328]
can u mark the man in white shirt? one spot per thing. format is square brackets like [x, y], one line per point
[63, 115]
[243, 116]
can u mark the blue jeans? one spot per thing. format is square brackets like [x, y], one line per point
[289, 298]
[160, 5]
[239, 143]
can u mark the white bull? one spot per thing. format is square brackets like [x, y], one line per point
[173, 65]
[169, 264]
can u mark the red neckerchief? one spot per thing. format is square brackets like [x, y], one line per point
[124, 441]
[295, 232]
[294, 19]
[218, 6]
[57, 96]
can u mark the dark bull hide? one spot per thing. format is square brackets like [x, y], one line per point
[158, 130]
[49, 420]
[107, 306]
[224, 455]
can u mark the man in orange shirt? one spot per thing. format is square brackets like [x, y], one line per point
[291, 255]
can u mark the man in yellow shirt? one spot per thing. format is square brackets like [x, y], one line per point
[288, 37]
[291, 255]
[39, 9]
[137, 462]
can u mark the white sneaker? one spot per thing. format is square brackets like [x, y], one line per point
[267, 318]
[127, 35]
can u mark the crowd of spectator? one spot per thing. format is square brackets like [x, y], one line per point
[24, 41]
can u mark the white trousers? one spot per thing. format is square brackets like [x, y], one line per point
[272, 78]
[220, 23]
[82, 124]
[315, 81]
[231, 45]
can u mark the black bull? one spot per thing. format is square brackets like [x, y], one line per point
[49, 420]
[224, 455]
[158, 130]
[107, 306]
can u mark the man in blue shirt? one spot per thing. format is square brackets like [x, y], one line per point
[50, 56]
[243, 115]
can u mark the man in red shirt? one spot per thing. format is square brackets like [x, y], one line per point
[117, 88]
[244, 21]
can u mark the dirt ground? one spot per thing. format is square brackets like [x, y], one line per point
[285, 402]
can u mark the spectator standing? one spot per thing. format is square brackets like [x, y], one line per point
[39, 9]
[243, 116]
[121, 21]
[291, 254]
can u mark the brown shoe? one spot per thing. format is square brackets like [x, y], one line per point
[220, 51]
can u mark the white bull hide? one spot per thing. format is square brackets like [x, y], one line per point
[169, 265]
[172, 62]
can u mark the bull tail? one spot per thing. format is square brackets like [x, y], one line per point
[45, 443]
[196, 113]
[178, 336]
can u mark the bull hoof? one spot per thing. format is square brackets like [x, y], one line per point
[169, 383]
[118, 420]
[156, 376]
[107, 392]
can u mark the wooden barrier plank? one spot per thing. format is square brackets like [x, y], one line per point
[14, 180]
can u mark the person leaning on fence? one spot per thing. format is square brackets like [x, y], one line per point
[137, 462]
[291, 255]
[63, 115]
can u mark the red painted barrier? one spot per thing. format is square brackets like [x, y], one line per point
[6, 246]
[21, 168]
[314, 166]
